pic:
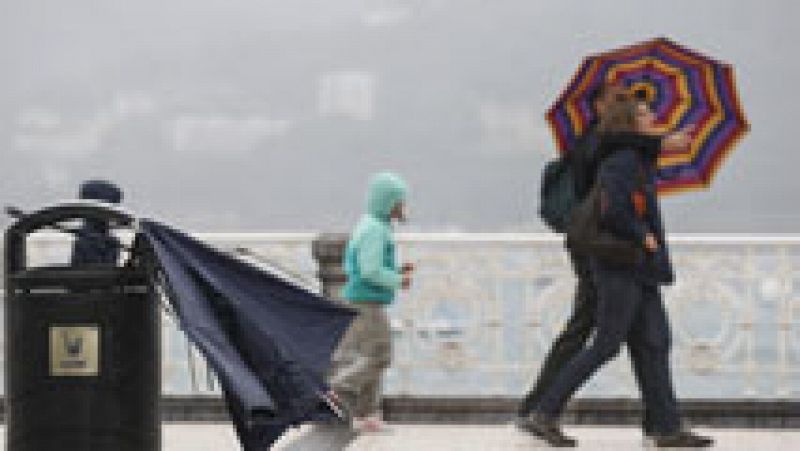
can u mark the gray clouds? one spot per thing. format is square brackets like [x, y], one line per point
[265, 115]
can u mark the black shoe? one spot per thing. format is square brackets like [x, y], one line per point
[546, 429]
[523, 423]
[682, 439]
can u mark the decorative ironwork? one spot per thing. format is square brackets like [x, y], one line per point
[484, 309]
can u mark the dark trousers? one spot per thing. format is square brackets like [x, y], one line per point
[627, 311]
[572, 339]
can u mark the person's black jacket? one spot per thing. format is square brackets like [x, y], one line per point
[627, 163]
[95, 245]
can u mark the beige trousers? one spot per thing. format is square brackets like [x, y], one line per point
[364, 353]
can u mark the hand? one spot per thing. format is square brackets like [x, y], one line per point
[406, 282]
[678, 140]
[650, 243]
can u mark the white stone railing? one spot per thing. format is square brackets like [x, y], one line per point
[484, 309]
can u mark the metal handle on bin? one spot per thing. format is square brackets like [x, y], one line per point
[50, 217]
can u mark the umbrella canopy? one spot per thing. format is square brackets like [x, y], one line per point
[683, 87]
[269, 341]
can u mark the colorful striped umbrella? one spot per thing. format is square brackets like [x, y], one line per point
[683, 87]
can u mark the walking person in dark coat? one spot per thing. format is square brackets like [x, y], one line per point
[629, 304]
[581, 323]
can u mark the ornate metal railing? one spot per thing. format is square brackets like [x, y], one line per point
[484, 308]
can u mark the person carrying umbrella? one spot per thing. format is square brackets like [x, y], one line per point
[373, 279]
[629, 304]
[582, 160]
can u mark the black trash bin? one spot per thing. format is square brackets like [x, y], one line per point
[82, 347]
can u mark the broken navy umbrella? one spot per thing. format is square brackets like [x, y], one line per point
[270, 342]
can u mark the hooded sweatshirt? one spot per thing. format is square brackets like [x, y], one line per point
[369, 260]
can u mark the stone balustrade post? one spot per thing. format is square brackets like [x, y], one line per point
[328, 251]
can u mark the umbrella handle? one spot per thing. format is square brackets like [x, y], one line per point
[335, 404]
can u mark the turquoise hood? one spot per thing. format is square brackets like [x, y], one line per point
[385, 191]
[369, 260]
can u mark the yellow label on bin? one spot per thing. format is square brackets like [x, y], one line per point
[74, 350]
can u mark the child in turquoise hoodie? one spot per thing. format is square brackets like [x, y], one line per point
[373, 278]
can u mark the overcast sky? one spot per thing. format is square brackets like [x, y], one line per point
[259, 115]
